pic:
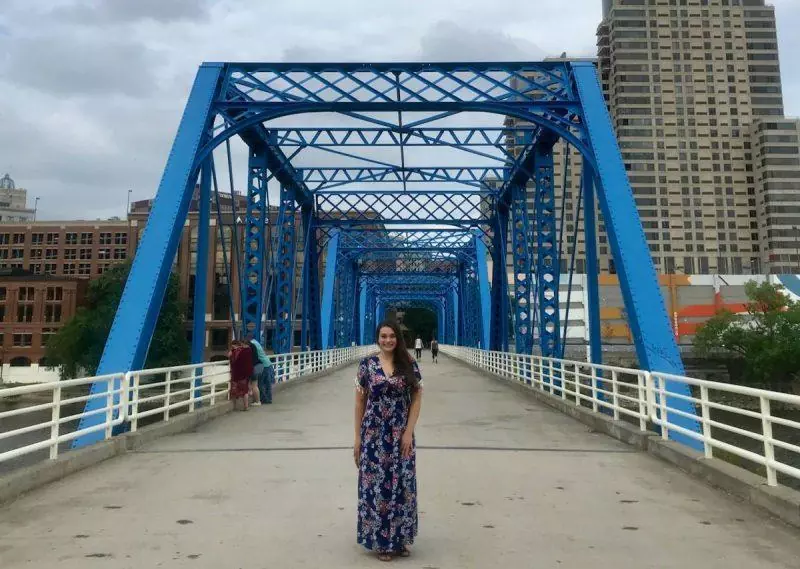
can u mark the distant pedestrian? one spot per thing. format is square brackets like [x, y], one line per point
[262, 372]
[418, 347]
[241, 366]
[435, 351]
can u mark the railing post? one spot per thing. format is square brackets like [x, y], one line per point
[213, 392]
[551, 372]
[167, 393]
[192, 381]
[577, 379]
[615, 392]
[706, 414]
[594, 388]
[662, 400]
[135, 402]
[642, 402]
[769, 447]
[55, 417]
[109, 407]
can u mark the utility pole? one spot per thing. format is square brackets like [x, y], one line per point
[35, 208]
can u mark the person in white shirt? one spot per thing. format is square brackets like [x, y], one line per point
[418, 347]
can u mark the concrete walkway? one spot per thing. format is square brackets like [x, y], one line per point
[504, 482]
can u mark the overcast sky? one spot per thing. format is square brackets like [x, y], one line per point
[91, 91]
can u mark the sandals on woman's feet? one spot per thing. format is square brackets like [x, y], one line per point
[405, 552]
[384, 557]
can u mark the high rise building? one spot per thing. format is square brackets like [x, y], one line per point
[694, 92]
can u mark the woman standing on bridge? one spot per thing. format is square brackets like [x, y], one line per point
[388, 400]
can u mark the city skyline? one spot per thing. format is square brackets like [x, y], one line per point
[122, 121]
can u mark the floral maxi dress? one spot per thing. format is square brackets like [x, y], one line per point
[387, 482]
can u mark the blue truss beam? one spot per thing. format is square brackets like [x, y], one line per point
[331, 177]
[521, 255]
[338, 137]
[647, 315]
[137, 314]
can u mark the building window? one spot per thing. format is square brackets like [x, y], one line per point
[85, 269]
[2, 314]
[71, 239]
[87, 238]
[55, 293]
[52, 238]
[70, 254]
[23, 340]
[3, 253]
[4, 237]
[102, 268]
[52, 313]
[25, 313]
[105, 239]
[120, 239]
[69, 268]
[37, 238]
[47, 334]
[25, 294]
[18, 239]
[3, 293]
[120, 253]
[36, 253]
[51, 253]
[36, 268]
[104, 254]
[86, 254]
[17, 253]
[49, 268]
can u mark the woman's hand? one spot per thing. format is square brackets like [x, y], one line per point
[405, 443]
[357, 452]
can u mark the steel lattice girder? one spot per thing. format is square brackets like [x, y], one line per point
[337, 137]
[562, 99]
[338, 208]
[255, 246]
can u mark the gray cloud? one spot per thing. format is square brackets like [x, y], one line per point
[72, 64]
[93, 90]
[448, 41]
[126, 11]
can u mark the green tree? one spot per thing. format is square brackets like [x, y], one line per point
[765, 340]
[78, 345]
[420, 322]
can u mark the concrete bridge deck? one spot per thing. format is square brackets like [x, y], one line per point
[504, 482]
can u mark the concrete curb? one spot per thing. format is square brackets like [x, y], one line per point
[780, 501]
[26, 479]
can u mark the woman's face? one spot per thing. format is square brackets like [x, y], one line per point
[387, 340]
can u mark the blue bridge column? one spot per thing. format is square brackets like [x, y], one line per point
[484, 296]
[548, 267]
[329, 291]
[311, 317]
[285, 273]
[499, 327]
[523, 337]
[254, 252]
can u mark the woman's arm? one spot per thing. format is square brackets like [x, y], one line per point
[413, 415]
[361, 405]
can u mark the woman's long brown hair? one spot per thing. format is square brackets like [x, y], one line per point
[401, 359]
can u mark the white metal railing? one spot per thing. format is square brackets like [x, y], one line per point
[44, 423]
[724, 411]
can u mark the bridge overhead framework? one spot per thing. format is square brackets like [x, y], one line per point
[397, 184]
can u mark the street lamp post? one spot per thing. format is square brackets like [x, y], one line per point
[35, 208]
